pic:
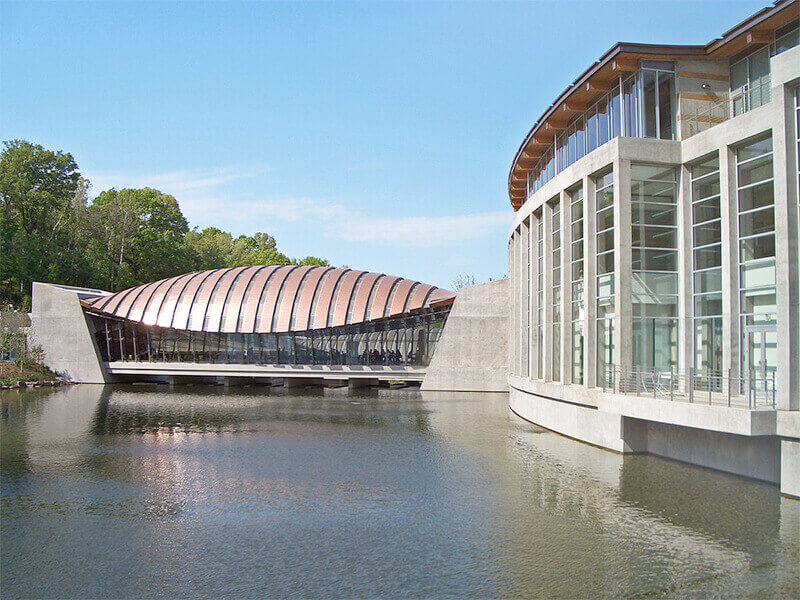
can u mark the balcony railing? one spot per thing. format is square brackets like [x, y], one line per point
[700, 115]
[753, 389]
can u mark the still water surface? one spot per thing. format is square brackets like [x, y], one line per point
[142, 491]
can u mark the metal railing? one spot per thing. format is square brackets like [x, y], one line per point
[700, 115]
[751, 390]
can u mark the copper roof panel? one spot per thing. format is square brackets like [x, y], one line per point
[137, 308]
[343, 298]
[150, 314]
[232, 312]
[219, 297]
[252, 299]
[362, 296]
[186, 301]
[167, 310]
[270, 299]
[325, 296]
[400, 296]
[302, 308]
[283, 312]
[380, 297]
[197, 314]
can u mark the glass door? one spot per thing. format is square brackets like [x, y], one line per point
[760, 358]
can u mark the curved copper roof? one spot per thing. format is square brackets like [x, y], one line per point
[266, 299]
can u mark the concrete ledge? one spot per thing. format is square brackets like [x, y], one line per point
[738, 421]
[789, 424]
[580, 422]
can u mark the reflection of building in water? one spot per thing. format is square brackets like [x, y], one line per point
[649, 514]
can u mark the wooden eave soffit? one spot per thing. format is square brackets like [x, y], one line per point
[573, 106]
[624, 64]
[759, 36]
[599, 86]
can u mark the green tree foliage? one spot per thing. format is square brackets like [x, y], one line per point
[138, 237]
[50, 232]
[43, 200]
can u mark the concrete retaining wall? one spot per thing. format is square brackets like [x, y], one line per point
[59, 326]
[472, 353]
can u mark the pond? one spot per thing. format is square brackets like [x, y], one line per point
[147, 491]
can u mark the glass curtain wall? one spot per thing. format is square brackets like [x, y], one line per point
[576, 304]
[407, 341]
[756, 199]
[613, 114]
[604, 211]
[750, 81]
[654, 286]
[555, 206]
[658, 100]
[707, 266]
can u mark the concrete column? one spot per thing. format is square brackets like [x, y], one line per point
[525, 237]
[730, 261]
[531, 341]
[786, 250]
[685, 265]
[547, 348]
[623, 307]
[566, 291]
[513, 280]
[354, 384]
[589, 283]
[536, 340]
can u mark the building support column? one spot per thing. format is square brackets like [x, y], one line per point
[730, 263]
[623, 306]
[547, 328]
[685, 271]
[566, 289]
[787, 280]
[589, 283]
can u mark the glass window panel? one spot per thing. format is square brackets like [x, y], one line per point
[758, 301]
[710, 304]
[705, 210]
[758, 247]
[631, 101]
[707, 233]
[738, 74]
[656, 285]
[655, 309]
[577, 270]
[654, 237]
[649, 103]
[602, 122]
[616, 115]
[756, 196]
[708, 281]
[605, 263]
[705, 188]
[758, 274]
[760, 221]
[756, 170]
[591, 129]
[705, 258]
[605, 285]
[708, 166]
[666, 105]
[653, 214]
[708, 344]
[654, 260]
[605, 219]
[753, 149]
[605, 241]
[653, 191]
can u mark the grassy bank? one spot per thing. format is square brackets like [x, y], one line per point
[14, 373]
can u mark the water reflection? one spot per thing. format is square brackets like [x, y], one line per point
[145, 491]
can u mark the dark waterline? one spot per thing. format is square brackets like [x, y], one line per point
[142, 491]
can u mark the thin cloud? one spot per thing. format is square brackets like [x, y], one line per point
[176, 183]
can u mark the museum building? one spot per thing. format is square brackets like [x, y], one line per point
[654, 248]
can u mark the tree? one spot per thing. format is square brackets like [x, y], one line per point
[257, 249]
[139, 237]
[41, 192]
[210, 248]
[313, 261]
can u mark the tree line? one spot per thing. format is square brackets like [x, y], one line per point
[51, 231]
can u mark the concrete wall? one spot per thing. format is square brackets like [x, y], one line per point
[472, 353]
[59, 326]
[749, 456]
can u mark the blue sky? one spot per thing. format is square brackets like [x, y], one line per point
[376, 135]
